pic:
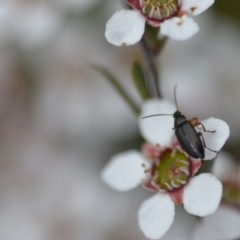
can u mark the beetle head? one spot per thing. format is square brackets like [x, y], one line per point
[177, 114]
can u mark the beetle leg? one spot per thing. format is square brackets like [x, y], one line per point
[196, 123]
[204, 144]
[193, 121]
[204, 129]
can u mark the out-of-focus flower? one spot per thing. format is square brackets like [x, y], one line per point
[224, 223]
[50, 194]
[72, 92]
[126, 27]
[29, 24]
[77, 5]
[169, 172]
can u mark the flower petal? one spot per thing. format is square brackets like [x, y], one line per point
[214, 141]
[156, 215]
[196, 7]
[124, 171]
[223, 224]
[157, 129]
[179, 28]
[125, 27]
[202, 195]
[151, 151]
[182, 226]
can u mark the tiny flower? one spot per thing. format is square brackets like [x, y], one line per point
[224, 223]
[229, 173]
[32, 24]
[126, 27]
[163, 168]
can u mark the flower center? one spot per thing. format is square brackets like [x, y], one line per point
[171, 171]
[159, 9]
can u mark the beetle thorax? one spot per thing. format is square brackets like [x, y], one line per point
[172, 171]
[178, 119]
[159, 9]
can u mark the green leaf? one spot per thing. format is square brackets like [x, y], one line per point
[139, 80]
[115, 83]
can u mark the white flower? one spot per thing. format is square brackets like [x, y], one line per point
[76, 5]
[224, 223]
[32, 24]
[169, 171]
[126, 27]
[230, 179]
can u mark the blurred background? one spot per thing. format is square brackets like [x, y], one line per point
[61, 122]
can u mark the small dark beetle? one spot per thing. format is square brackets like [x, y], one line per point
[185, 131]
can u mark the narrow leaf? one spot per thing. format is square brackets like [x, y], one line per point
[139, 80]
[115, 83]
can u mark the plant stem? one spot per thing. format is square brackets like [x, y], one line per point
[149, 58]
[152, 73]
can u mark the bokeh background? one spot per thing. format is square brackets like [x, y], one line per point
[60, 121]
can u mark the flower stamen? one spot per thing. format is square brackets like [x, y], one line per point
[168, 185]
[159, 9]
[185, 170]
[171, 171]
[184, 162]
[175, 185]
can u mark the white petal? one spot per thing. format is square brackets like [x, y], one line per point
[196, 7]
[222, 166]
[125, 27]
[156, 215]
[223, 224]
[179, 28]
[214, 141]
[182, 226]
[202, 195]
[124, 171]
[157, 129]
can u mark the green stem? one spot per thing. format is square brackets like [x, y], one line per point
[149, 58]
[152, 73]
[115, 83]
[163, 44]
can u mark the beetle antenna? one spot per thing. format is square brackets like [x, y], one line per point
[156, 115]
[175, 97]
